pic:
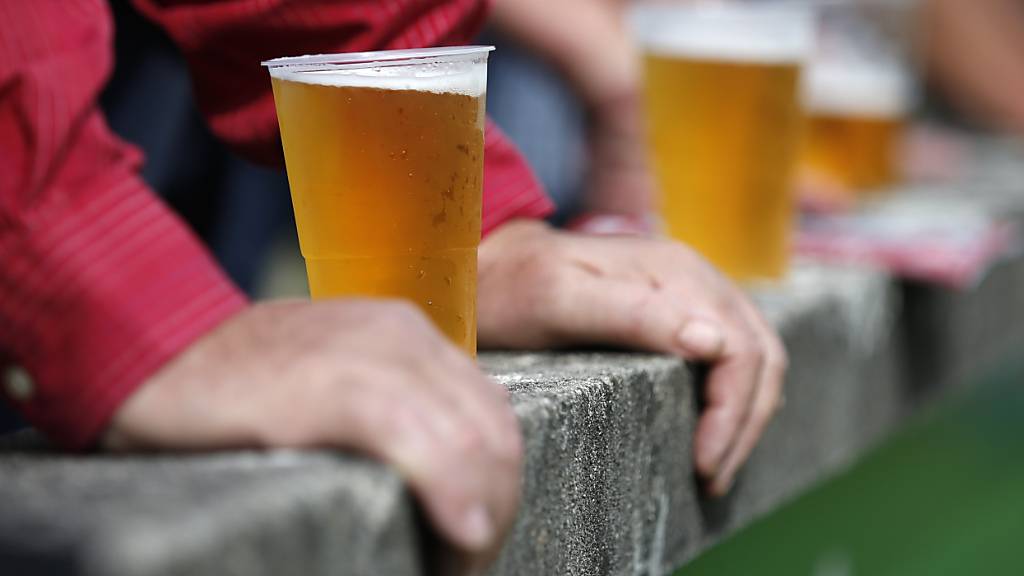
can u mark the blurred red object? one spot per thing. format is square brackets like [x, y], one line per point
[602, 224]
[934, 154]
[946, 244]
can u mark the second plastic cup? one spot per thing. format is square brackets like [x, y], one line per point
[384, 152]
[722, 91]
[859, 90]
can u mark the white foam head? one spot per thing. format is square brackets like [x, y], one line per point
[760, 33]
[868, 89]
[441, 71]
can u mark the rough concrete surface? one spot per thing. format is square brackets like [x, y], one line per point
[229, 515]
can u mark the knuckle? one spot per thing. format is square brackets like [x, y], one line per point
[393, 430]
[642, 313]
[747, 350]
[468, 441]
[735, 391]
[730, 417]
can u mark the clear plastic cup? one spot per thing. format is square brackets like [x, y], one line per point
[384, 152]
[859, 90]
[724, 118]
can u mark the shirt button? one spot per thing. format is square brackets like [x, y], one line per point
[18, 384]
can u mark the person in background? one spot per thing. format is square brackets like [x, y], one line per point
[118, 330]
[553, 60]
[974, 56]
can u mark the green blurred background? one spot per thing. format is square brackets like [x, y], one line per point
[943, 497]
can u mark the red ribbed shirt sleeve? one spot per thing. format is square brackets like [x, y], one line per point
[99, 283]
[225, 41]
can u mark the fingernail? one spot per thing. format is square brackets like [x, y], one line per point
[702, 338]
[478, 528]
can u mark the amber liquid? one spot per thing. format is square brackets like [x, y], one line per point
[725, 140]
[858, 153]
[386, 186]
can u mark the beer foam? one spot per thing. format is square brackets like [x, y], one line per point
[757, 34]
[468, 78]
[858, 89]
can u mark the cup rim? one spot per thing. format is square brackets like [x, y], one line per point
[378, 59]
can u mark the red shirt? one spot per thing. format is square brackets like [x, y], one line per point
[100, 284]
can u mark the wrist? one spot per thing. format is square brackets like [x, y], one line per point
[146, 416]
[609, 224]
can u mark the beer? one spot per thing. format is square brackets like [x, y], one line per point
[855, 123]
[385, 166]
[722, 96]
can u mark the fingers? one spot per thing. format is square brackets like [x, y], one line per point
[693, 313]
[446, 473]
[436, 419]
[731, 386]
[481, 402]
[444, 459]
[743, 384]
[448, 429]
[634, 314]
[765, 402]
[483, 406]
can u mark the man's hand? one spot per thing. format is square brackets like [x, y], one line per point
[369, 376]
[540, 288]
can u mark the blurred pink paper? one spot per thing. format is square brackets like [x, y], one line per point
[948, 244]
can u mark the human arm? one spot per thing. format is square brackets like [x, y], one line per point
[101, 283]
[330, 375]
[974, 52]
[586, 41]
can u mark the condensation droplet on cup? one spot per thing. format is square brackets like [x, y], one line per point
[421, 274]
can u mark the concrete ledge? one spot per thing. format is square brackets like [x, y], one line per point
[608, 486]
